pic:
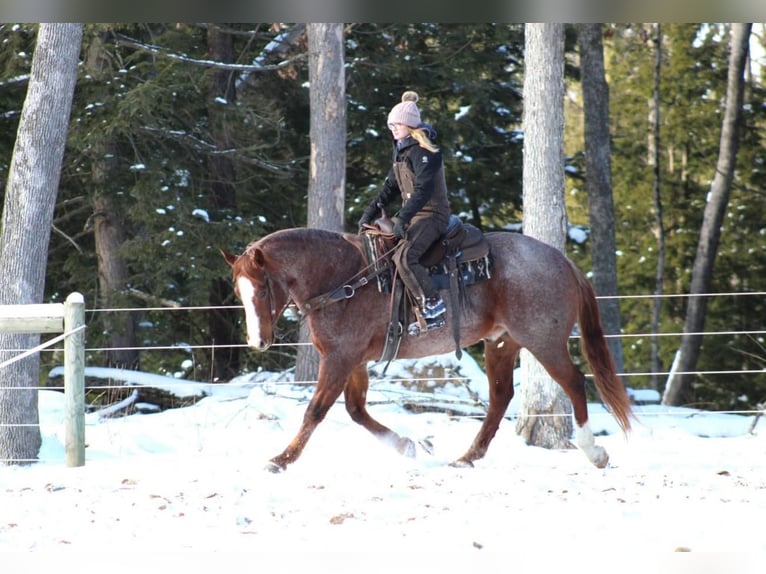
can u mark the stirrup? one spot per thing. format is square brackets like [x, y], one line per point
[413, 329]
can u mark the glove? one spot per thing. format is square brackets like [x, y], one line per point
[367, 217]
[398, 227]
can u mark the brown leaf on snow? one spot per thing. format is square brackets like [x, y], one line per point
[340, 518]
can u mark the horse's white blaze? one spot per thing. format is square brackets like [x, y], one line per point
[584, 439]
[246, 294]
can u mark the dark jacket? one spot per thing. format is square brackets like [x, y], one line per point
[417, 175]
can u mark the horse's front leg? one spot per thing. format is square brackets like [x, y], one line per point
[332, 379]
[356, 399]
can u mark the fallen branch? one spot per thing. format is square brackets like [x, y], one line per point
[153, 298]
[118, 407]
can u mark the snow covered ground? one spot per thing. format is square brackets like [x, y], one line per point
[192, 479]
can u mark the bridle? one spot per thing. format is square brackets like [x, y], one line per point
[273, 312]
[345, 291]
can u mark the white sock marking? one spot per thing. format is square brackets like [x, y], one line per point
[584, 439]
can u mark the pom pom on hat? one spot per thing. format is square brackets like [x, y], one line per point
[406, 112]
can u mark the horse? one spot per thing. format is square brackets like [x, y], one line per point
[532, 300]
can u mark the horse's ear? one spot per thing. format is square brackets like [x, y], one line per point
[258, 257]
[230, 259]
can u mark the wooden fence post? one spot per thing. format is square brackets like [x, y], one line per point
[74, 379]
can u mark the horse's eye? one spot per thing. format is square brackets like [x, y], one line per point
[261, 294]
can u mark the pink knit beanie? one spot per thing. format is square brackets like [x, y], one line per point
[405, 112]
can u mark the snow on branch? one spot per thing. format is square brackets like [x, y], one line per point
[242, 154]
[15, 80]
[162, 52]
[117, 408]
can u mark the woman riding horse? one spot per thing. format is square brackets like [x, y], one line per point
[417, 176]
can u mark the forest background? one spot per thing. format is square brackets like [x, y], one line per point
[187, 138]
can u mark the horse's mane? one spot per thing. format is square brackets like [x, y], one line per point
[311, 236]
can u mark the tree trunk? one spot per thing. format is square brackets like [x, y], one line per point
[30, 199]
[109, 236]
[659, 224]
[327, 170]
[545, 413]
[598, 183]
[678, 386]
[224, 330]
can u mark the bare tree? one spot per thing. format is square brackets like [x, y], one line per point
[543, 401]
[327, 170]
[598, 183]
[30, 199]
[659, 220]
[678, 387]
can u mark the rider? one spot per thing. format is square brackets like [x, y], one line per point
[417, 175]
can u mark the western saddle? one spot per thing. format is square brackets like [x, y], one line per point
[459, 258]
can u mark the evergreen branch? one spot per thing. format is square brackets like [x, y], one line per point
[158, 51]
[745, 188]
[238, 153]
[77, 211]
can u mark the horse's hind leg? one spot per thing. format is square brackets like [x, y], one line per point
[356, 398]
[561, 368]
[500, 360]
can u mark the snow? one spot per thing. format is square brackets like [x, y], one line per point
[193, 479]
[577, 233]
[202, 214]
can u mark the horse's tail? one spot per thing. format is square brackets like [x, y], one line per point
[596, 351]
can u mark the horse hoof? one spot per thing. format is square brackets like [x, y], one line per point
[274, 467]
[407, 448]
[603, 459]
[461, 463]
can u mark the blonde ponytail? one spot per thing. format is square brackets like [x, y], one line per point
[421, 136]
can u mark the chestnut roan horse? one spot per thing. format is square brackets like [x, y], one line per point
[532, 300]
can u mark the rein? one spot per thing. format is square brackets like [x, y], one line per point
[346, 291]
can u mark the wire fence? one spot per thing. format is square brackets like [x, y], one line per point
[48, 346]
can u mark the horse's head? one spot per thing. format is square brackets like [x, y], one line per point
[263, 298]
